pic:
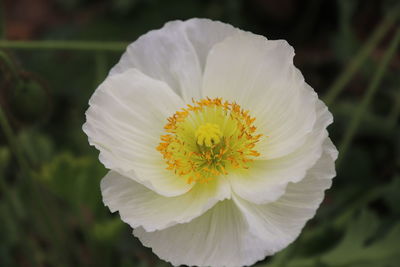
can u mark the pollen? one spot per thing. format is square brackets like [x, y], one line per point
[209, 138]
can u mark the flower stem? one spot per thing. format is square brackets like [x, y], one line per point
[395, 112]
[13, 143]
[8, 132]
[5, 59]
[358, 115]
[35, 193]
[339, 84]
[65, 45]
[2, 24]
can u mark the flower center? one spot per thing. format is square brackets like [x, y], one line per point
[208, 139]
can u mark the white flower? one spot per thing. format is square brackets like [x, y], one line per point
[217, 148]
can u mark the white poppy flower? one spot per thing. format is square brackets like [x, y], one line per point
[217, 148]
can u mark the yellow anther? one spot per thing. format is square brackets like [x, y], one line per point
[208, 134]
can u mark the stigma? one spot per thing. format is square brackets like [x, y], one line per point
[208, 134]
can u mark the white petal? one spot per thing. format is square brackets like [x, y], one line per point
[267, 180]
[259, 75]
[220, 237]
[139, 206]
[125, 120]
[237, 233]
[176, 53]
[280, 222]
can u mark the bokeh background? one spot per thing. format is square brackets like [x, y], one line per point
[51, 213]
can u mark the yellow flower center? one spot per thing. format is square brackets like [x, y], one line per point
[208, 139]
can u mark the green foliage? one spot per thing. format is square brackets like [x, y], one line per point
[363, 245]
[29, 100]
[107, 231]
[75, 180]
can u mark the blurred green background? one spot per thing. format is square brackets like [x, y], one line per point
[51, 213]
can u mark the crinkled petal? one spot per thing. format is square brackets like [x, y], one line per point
[279, 223]
[220, 237]
[259, 75]
[124, 122]
[237, 233]
[267, 180]
[176, 53]
[140, 206]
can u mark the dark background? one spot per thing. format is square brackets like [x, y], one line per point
[51, 213]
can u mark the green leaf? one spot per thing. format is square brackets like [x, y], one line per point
[37, 146]
[392, 197]
[107, 231]
[4, 159]
[76, 180]
[355, 249]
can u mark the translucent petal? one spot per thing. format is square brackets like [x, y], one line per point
[260, 76]
[267, 180]
[140, 206]
[125, 119]
[237, 233]
[220, 237]
[176, 53]
[280, 222]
